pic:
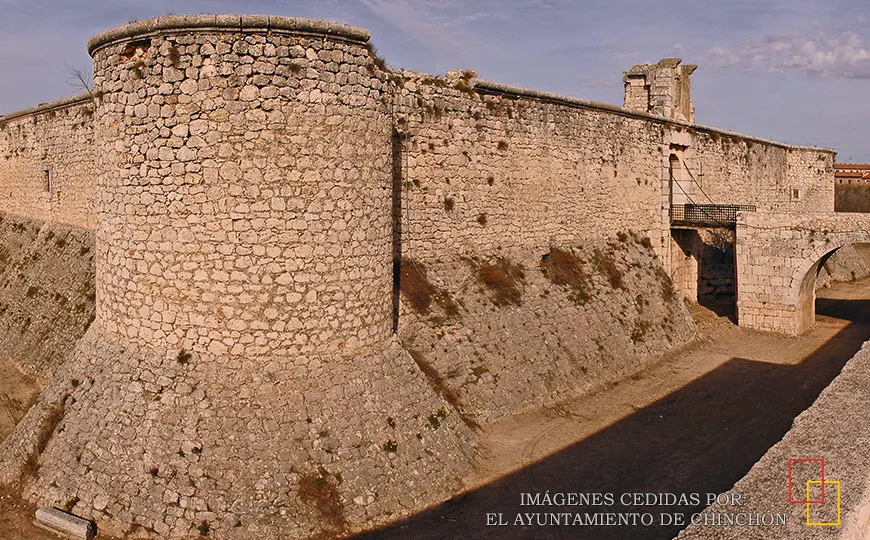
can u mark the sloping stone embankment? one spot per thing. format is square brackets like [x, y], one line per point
[505, 334]
[47, 293]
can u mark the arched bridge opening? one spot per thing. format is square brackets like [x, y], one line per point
[779, 257]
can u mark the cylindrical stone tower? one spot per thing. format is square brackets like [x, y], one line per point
[244, 188]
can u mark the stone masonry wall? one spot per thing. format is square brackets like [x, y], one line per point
[778, 258]
[732, 170]
[245, 201]
[482, 172]
[702, 264]
[51, 142]
[47, 293]
[256, 177]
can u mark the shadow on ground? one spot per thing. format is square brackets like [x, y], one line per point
[699, 439]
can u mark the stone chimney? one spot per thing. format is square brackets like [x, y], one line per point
[663, 89]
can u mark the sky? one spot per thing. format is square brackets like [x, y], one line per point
[795, 71]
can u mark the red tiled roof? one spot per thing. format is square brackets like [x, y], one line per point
[852, 166]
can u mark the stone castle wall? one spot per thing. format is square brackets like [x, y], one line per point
[256, 180]
[483, 171]
[516, 332]
[734, 170]
[778, 257]
[240, 377]
[47, 162]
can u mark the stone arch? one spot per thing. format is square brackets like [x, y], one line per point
[802, 289]
[778, 257]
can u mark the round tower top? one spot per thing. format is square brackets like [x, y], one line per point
[226, 23]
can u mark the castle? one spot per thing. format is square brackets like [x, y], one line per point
[262, 191]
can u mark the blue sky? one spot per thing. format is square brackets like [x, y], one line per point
[796, 71]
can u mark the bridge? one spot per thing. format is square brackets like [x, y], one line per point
[707, 215]
[778, 257]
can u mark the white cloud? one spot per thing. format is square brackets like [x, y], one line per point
[845, 56]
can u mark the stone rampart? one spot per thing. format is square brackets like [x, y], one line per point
[240, 379]
[773, 177]
[47, 297]
[484, 170]
[47, 162]
[484, 166]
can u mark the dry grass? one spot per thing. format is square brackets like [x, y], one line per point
[420, 294]
[606, 264]
[564, 268]
[504, 280]
[320, 489]
[669, 294]
[376, 60]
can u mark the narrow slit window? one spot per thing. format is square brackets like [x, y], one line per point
[47, 180]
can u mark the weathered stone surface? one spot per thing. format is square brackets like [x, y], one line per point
[501, 355]
[47, 294]
[250, 181]
[47, 163]
[778, 258]
[65, 524]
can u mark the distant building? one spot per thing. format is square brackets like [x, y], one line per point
[851, 173]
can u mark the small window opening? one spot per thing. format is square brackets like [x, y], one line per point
[47, 180]
[795, 194]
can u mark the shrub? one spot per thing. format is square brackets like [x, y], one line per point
[504, 279]
[564, 268]
[419, 293]
[607, 266]
[183, 357]
[320, 490]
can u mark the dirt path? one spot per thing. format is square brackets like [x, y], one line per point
[695, 422]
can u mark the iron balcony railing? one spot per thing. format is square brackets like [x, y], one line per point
[721, 215]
